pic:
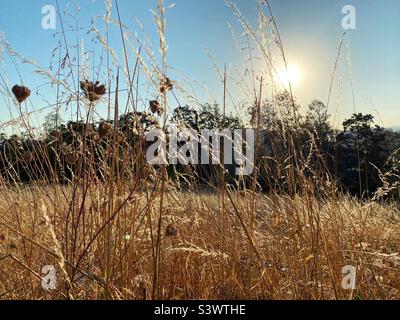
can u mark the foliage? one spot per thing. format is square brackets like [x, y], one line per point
[355, 157]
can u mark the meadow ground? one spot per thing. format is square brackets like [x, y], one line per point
[194, 245]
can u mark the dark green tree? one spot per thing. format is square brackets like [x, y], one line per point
[361, 148]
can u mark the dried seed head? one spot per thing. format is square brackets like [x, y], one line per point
[171, 231]
[243, 193]
[166, 85]
[156, 107]
[93, 91]
[104, 129]
[70, 158]
[21, 93]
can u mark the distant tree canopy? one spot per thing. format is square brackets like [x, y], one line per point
[52, 122]
[362, 148]
[355, 156]
[209, 117]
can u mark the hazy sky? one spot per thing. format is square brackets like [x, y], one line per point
[310, 30]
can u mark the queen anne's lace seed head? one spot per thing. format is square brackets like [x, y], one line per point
[21, 93]
[93, 91]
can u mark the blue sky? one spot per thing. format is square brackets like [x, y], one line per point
[310, 30]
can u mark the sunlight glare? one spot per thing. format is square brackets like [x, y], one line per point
[290, 75]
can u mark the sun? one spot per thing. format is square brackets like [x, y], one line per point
[292, 74]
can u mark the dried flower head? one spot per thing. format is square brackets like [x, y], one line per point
[21, 93]
[243, 193]
[166, 85]
[70, 158]
[93, 91]
[104, 129]
[171, 231]
[156, 107]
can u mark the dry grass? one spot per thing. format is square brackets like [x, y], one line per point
[127, 239]
[208, 249]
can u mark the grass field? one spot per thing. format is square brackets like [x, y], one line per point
[120, 236]
[231, 246]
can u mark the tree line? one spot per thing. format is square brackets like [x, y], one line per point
[354, 157]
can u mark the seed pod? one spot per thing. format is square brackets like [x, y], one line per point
[70, 158]
[243, 193]
[171, 231]
[156, 107]
[166, 85]
[21, 93]
[93, 91]
[104, 129]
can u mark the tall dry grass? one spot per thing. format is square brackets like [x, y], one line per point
[295, 250]
[123, 237]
